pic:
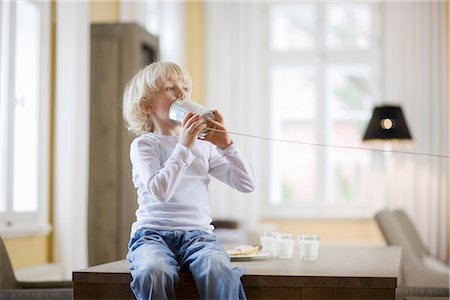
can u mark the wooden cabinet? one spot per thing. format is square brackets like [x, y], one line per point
[118, 51]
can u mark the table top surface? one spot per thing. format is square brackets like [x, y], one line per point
[383, 262]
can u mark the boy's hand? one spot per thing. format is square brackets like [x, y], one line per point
[219, 138]
[192, 125]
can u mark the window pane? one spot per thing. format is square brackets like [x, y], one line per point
[350, 167]
[350, 178]
[333, 88]
[294, 91]
[25, 184]
[348, 26]
[293, 26]
[294, 166]
[349, 133]
[348, 87]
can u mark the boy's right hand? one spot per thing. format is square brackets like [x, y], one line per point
[192, 125]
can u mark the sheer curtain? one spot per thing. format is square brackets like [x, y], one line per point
[415, 75]
[235, 85]
[71, 135]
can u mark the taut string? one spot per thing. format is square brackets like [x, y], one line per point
[328, 145]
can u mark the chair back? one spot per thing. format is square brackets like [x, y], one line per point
[391, 229]
[414, 273]
[411, 231]
[7, 278]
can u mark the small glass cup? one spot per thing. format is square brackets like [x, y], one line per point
[286, 245]
[309, 247]
[269, 242]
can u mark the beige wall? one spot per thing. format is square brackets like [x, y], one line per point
[104, 11]
[364, 232]
[27, 251]
[195, 48]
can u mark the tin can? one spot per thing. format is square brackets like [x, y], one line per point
[181, 107]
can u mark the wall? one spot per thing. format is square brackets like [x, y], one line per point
[195, 48]
[352, 232]
[104, 11]
[27, 251]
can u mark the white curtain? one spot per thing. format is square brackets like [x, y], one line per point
[415, 75]
[72, 135]
[234, 86]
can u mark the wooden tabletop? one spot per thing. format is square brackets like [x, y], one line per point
[332, 262]
[338, 273]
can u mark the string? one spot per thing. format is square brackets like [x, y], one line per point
[328, 145]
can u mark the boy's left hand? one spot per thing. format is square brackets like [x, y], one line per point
[219, 138]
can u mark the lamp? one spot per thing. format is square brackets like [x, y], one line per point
[387, 123]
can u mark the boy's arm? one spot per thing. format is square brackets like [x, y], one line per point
[230, 167]
[159, 180]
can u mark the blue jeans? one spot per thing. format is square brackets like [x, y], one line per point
[157, 256]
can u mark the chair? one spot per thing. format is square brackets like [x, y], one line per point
[411, 232]
[416, 270]
[11, 288]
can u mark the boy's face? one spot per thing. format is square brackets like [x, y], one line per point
[169, 90]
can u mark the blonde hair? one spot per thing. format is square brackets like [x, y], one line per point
[141, 89]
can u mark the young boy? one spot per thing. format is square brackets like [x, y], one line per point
[171, 168]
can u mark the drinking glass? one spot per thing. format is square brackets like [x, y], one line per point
[269, 242]
[309, 247]
[286, 245]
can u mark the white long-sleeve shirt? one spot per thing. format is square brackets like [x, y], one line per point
[172, 181]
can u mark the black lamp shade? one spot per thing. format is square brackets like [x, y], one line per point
[387, 123]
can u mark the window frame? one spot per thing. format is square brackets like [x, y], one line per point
[36, 222]
[321, 58]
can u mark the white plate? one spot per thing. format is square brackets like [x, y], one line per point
[248, 257]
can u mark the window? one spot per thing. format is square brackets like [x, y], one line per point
[24, 116]
[298, 71]
[323, 76]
